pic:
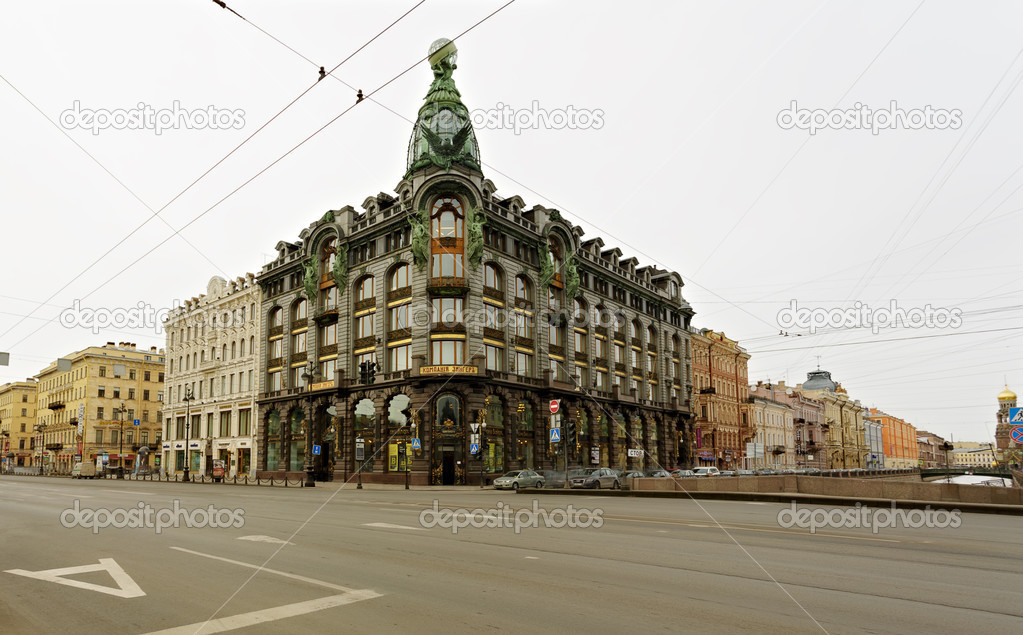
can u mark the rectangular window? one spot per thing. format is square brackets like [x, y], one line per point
[328, 368]
[364, 326]
[399, 318]
[601, 381]
[328, 335]
[448, 352]
[99, 436]
[131, 393]
[102, 391]
[447, 311]
[495, 357]
[523, 364]
[558, 369]
[298, 341]
[146, 376]
[556, 335]
[601, 347]
[399, 358]
[580, 342]
[523, 325]
[209, 424]
[492, 317]
[244, 422]
[99, 413]
[619, 353]
[274, 381]
[447, 266]
[145, 395]
[117, 392]
[276, 348]
[225, 423]
[296, 377]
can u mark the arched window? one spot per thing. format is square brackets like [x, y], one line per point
[327, 257]
[364, 289]
[557, 257]
[447, 245]
[634, 328]
[579, 313]
[276, 317]
[523, 290]
[400, 277]
[492, 277]
[651, 336]
[299, 310]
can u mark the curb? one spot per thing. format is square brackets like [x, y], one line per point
[977, 508]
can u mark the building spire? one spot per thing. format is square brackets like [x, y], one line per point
[443, 134]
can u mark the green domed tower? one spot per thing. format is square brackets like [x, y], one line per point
[443, 133]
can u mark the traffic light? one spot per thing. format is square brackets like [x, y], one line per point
[571, 433]
[363, 373]
[371, 371]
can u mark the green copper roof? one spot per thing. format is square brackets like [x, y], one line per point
[443, 133]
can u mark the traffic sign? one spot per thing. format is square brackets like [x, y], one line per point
[555, 435]
[136, 422]
[633, 452]
[1017, 434]
[474, 448]
[316, 450]
[1015, 415]
[416, 445]
[475, 427]
[555, 406]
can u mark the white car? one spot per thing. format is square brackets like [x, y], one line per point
[706, 471]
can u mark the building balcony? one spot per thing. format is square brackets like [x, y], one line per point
[362, 342]
[495, 294]
[399, 334]
[368, 303]
[492, 333]
[303, 356]
[399, 294]
[776, 449]
[448, 284]
[56, 405]
[328, 316]
[709, 391]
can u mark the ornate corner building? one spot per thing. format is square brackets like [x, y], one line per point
[445, 306]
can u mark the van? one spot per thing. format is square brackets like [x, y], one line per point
[85, 469]
[706, 471]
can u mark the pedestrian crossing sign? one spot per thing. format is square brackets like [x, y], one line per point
[555, 435]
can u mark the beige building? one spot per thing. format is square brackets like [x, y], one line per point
[980, 457]
[843, 421]
[721, 399]
[775, 445]
[113, 386]
[213, 349]
[17, 419]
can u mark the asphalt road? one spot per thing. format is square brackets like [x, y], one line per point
[333, 559]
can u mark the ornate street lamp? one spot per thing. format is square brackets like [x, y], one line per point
[309, 375]
[188, 423]
[120, 441]
[40, 427]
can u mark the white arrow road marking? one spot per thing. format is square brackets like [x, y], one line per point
[390, 526]
[270, 539]
[254, 618]
[127, 588]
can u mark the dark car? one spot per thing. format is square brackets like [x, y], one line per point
[595, 478]
[656, 474]
[553, 478]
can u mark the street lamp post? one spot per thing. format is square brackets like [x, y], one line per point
[408, 454]
[120, 443]
[188, 423]
[483, 453]
[40, 428]
[310, 480]
[4, 446]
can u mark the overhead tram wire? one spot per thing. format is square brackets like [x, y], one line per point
[884, 341]
[201, 176]
[258, 174]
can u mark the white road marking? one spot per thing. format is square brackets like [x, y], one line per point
[531, 558]
[285, 574]
[256, 618]
[662, 531]
[127, 588]
[269, 539]
[390, 526]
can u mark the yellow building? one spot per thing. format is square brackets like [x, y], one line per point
[17, 417]
[846, 437]
[113, 386]
[967, 458]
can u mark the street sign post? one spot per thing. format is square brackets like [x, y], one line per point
[555, 435]
[555, 406]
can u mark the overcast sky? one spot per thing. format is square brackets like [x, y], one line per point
[684, 163]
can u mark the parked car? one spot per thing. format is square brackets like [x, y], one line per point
[745, 473]
[683, 473]
[517, 479]
[706, 471]
[86, 469]
[633, 474]
[765, 472]
[728, 473]
[551, 478]
[595, 478]
[657, 474]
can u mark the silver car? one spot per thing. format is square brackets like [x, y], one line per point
[595, 478]
[517, 479]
